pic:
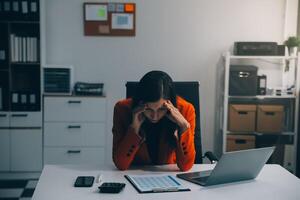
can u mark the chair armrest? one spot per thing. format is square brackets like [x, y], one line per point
[211, 157]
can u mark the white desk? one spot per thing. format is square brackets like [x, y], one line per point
[273, 183]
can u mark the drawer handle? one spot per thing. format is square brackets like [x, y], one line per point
[3, 115]
[73, 151]
[270, 113]
[72, 101]
[19, 115]
[240, 141]
[72, 126]
[243, 112]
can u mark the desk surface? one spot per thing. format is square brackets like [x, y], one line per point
[56, 182]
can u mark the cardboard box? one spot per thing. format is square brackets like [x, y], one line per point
[241, 117]
[270, 118]
[240, 142]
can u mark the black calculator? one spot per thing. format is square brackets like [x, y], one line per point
[111, 187]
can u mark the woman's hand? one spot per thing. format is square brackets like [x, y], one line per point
[138, 117]
[175, 116]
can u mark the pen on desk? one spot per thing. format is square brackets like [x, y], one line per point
[169, 189]
[99, 178]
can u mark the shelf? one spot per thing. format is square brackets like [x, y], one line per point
[263, 57]
[20, 22]
[259, 133]
[25, 63]
[265, 97]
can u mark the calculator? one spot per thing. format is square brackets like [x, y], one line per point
[111, 187]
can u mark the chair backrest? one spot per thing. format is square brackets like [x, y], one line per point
[190, 92]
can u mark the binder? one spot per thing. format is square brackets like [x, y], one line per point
[33, 10]
[156, 183]
[3, 45]
[15, 10]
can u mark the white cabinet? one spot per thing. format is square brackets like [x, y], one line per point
[282, 88]
[21, 141]
[26, 150]
[74, 155]
[74, 129]
[4, 119]
[4, 150]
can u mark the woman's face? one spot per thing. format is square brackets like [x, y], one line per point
[154, 111]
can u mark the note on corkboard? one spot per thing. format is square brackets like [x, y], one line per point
[109, 19]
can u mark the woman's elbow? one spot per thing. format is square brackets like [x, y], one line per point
[120, 165]
[186, 166]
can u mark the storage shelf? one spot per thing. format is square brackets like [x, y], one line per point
[271, 66]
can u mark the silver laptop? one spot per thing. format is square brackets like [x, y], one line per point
[233, 166]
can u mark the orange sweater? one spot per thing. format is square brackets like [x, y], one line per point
[129, 148]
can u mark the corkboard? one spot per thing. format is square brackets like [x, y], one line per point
[109, 19]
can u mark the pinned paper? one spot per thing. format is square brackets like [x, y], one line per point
[103, 29]
[111, 7]
[95, 12]
[122, 21]
[129, 7]
[120, 7]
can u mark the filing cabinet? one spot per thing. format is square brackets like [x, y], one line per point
[74, 129]
[21, 141]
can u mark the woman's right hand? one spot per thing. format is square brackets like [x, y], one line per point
[138, 117]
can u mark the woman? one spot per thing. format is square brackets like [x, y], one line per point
[155, 126]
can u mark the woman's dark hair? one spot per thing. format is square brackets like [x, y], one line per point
[152, 87]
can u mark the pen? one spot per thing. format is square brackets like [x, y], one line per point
[169, 189]
[99, 178]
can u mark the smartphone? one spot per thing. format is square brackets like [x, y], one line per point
[84, 181]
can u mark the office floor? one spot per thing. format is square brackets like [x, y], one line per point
[18, 189]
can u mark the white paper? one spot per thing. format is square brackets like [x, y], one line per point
[16, 6]
[24, 7]
[122, 21]
[33, 7]
[15, 98]
[147, 183]
[23, 99]
[32, 99]
[95, 12]
[2, 55]
[6, 6]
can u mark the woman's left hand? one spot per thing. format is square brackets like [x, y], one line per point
[175, 116]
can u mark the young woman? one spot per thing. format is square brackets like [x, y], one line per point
[154, 127]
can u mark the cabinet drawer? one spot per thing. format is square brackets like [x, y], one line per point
[73, 109]
[4, 150]
[4, 119]
[25, 119]
[26, 150]
[74, 134]
[80, 155]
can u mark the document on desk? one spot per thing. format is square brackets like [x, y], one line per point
[156, 183]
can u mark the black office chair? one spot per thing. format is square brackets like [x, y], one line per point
[190, 92]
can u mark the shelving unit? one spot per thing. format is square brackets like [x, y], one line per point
[270, 66]
[20, 86]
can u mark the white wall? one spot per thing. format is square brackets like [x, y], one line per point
[183, 38]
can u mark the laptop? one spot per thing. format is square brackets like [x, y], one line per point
[233, 166]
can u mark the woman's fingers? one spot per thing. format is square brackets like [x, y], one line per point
[139, 109]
